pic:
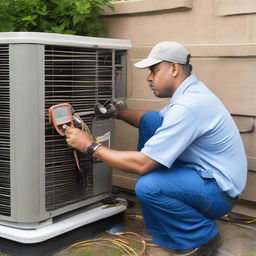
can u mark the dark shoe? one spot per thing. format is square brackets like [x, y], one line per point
[208, 249]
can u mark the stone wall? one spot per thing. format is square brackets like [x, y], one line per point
[221, 37]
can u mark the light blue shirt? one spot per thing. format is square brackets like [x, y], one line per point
[198, 130]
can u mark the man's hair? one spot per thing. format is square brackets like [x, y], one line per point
[187, 68]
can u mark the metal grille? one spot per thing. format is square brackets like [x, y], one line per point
[5, 201]
[81, 77]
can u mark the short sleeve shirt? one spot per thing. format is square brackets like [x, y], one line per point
[198, 130]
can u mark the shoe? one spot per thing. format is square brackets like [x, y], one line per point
[208, 249]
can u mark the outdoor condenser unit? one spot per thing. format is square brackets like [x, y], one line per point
[38, 175]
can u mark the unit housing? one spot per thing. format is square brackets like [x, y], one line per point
[38, 174]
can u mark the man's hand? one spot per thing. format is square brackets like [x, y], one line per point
[112, 109]
[78, 139]
[115, 107]
[131, 161]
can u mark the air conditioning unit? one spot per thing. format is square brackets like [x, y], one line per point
[38, 175]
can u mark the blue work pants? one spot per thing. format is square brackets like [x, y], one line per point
[178, 205]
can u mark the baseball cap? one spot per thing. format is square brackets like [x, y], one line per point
[165, 51]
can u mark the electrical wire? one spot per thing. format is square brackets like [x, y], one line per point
[250, 221]
[229, 218]
[121, 243]
[118, 74]
[141, 239]
[84, 126]
[130, 75]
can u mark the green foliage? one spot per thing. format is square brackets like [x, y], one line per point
[80, 17]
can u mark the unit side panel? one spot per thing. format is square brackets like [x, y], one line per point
[24, 66]
[104, 131]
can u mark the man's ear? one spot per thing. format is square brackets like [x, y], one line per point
[174, 69]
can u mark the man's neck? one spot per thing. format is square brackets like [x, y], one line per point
[178, 82]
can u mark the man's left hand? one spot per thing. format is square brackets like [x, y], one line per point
[78, 139]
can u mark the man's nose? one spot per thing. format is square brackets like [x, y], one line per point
[149, 78]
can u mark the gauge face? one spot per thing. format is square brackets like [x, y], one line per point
[62, 114]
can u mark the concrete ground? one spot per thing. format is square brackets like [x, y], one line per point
[238, 239]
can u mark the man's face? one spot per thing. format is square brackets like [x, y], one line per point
[161, 80]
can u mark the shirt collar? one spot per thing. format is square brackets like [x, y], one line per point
[181, 89]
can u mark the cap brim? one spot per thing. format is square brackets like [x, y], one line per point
[146, 63]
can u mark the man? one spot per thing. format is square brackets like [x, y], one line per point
[191, 157]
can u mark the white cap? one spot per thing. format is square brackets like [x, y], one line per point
[165, 51]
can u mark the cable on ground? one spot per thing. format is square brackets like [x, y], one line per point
[122, 242]
[228, 217]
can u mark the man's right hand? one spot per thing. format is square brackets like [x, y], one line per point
[118, 109]
[112, 109]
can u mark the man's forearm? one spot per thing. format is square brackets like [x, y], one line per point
[131, 117]
[131, 161]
